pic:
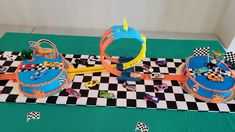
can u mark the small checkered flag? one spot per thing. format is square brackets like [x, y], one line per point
[33, 116]
[141, 127]
[205, 51]
[230, 56]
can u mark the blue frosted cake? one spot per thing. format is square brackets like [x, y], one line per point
[44, 74]
[208, 84]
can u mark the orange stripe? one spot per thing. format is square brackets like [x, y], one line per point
[179, 78]
[11, 76]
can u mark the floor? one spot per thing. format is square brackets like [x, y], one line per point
[98, 32]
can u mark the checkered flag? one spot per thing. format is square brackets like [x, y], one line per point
[33, 116]
[205, 51]
[230, 56]
[142, 127]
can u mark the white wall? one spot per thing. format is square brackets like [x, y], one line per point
[232, 45]
[226, 29]
[193, 16]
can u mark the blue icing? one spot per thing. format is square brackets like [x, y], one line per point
[206, 93]
[40, 60]
[190, 83]
[50, 74]
[225, 85]
[46, 88]
[200, 61]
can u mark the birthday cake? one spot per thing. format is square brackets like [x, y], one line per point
[208, 79]
[41, 72]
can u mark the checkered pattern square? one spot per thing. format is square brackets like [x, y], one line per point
[201, 51]
[172, 98]
[230, 56]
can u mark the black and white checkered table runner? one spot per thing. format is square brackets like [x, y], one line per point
[172, 98]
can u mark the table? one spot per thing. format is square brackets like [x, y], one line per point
[60, 118]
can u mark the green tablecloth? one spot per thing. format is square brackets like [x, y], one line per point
[60, 118]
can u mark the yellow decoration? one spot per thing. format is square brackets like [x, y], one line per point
[51, 64]
[125, 25]
[39, 93]
[217, 98]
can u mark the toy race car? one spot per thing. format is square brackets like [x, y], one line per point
[38, 74]
[105, 94]
[2, 69]
[28, 66]
[161, 87]
[73, 92]
[128, 86]
[147, 68]
[81, 61]
[161, 62]
[92, 83]
[157, 76]
[94, 58]
[202, 70]
[215, 77]
[51, 64]
[153, 99]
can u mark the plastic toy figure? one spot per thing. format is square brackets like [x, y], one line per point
[2, 69]
[161, 62]
[201, 70]
[217, 54]
[129, 86]
[215, 77]
[161, 87]
[38, 74]
[211, 64]
[26, 55]
[92, 83]
[157, 76]
[147, 68]
[153, 99]
[51, 64]
[105, 94]
[73, 92]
